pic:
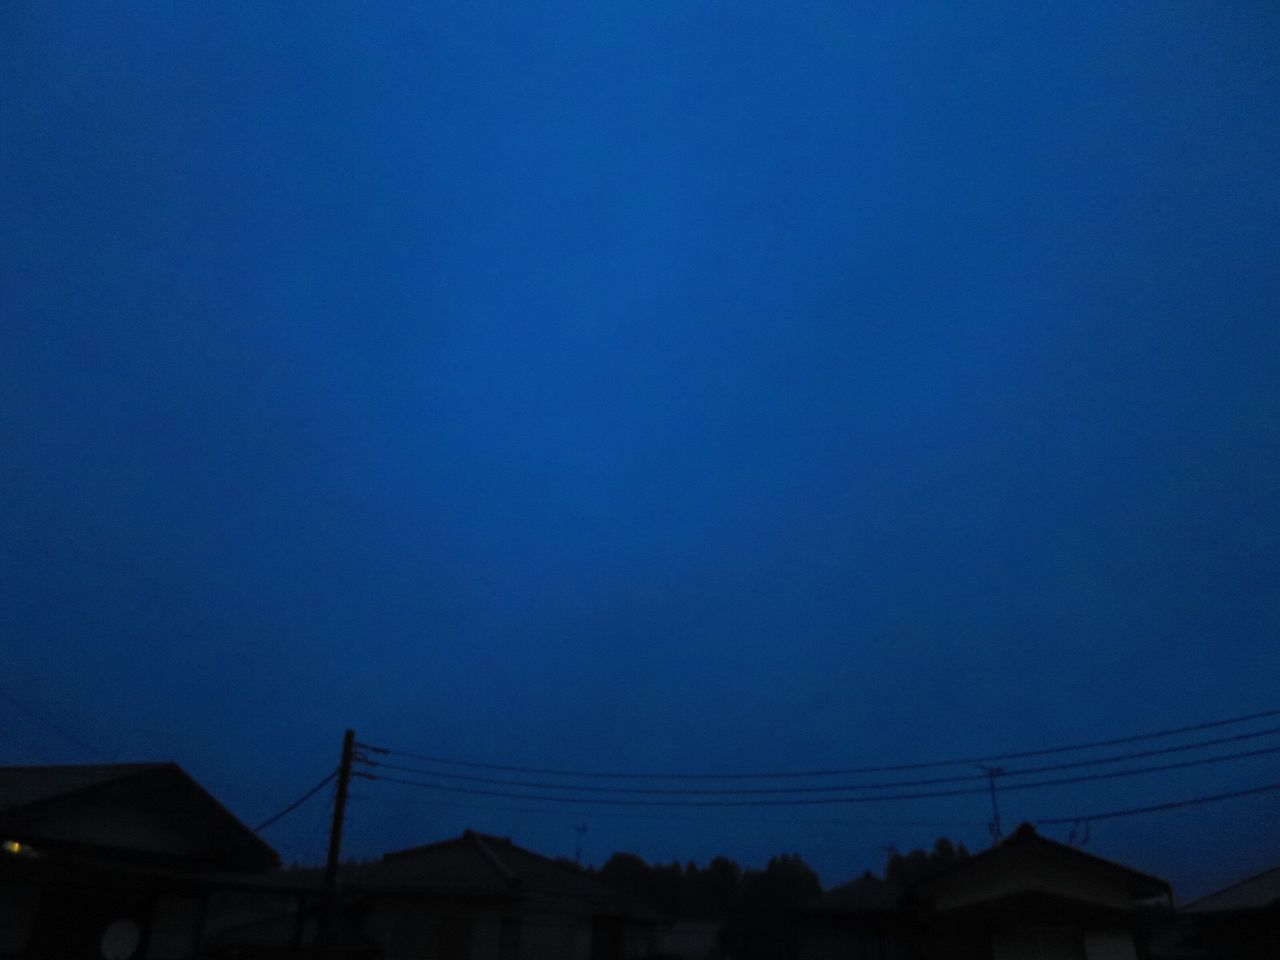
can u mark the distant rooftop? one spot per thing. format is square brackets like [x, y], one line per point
[1255, 893]
[23, 786]
[481, 865]
[1142, 886]
[864, 893]
[125, 810]
[869, 894]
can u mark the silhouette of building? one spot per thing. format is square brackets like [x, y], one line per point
[116, 861]
[1026, 897]
[474, 897]
[1239, 922]
[690, 940]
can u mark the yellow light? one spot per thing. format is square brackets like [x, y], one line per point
[13, 846]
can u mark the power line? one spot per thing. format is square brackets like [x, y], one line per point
[1156, 807]
[297, 803]
[51, 724]
[965, 761]
[496, 805]
[39, 755]
[934, 781]
[805, 801]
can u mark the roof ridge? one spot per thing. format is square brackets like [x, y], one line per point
[424, 847]
[1025, 835]
[559, 864]
[1106, 861]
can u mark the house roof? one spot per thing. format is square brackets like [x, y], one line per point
[1253, 893]
[22, 786]
[1141, 885]
[149, 810]
[869, 894]
[864, 894]
[477, 864]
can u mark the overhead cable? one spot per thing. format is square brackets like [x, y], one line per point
[1157, 807]
[632, 801]
[829, 788]
[888, 768]
[297, 803]
[50, 723]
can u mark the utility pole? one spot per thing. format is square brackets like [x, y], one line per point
[580, 829]
[339, 810]
[335, 841]
[996, 833]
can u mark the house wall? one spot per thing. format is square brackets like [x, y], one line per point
[845, 945]
[175, 928]
[637, 942]
[1110, 945]
[402, 930]
[548, 937]
[18, 905]
[829, 942]
[1050, 944]
[690, 940]
[1254, 935]
[1065, 943]
[544, 937]
[46, 909]
[73, 919]
[230, 909]
[486, 939]
[411, 931]
[108, 826]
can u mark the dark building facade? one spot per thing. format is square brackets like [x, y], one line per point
[116, 861]
[1026, 898]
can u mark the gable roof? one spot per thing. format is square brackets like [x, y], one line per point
[481, 865]
[151, 811]
[864, 894]
[1253, 893]
[22, 786]
[1025, 839]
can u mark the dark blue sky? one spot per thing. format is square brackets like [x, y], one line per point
[689, 386]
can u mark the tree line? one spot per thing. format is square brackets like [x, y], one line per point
[752, 905]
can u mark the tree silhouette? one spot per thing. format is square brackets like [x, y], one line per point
[755, 906]
[758, 926]
[903, 870]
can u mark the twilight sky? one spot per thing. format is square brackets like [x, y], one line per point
[662, 386]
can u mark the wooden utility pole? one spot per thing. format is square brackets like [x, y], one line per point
[335, 842]
[339, 810]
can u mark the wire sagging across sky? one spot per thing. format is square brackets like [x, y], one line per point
[297, 803]
[849, 771]
[749, 798]
[836, 788]
[376, 763]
